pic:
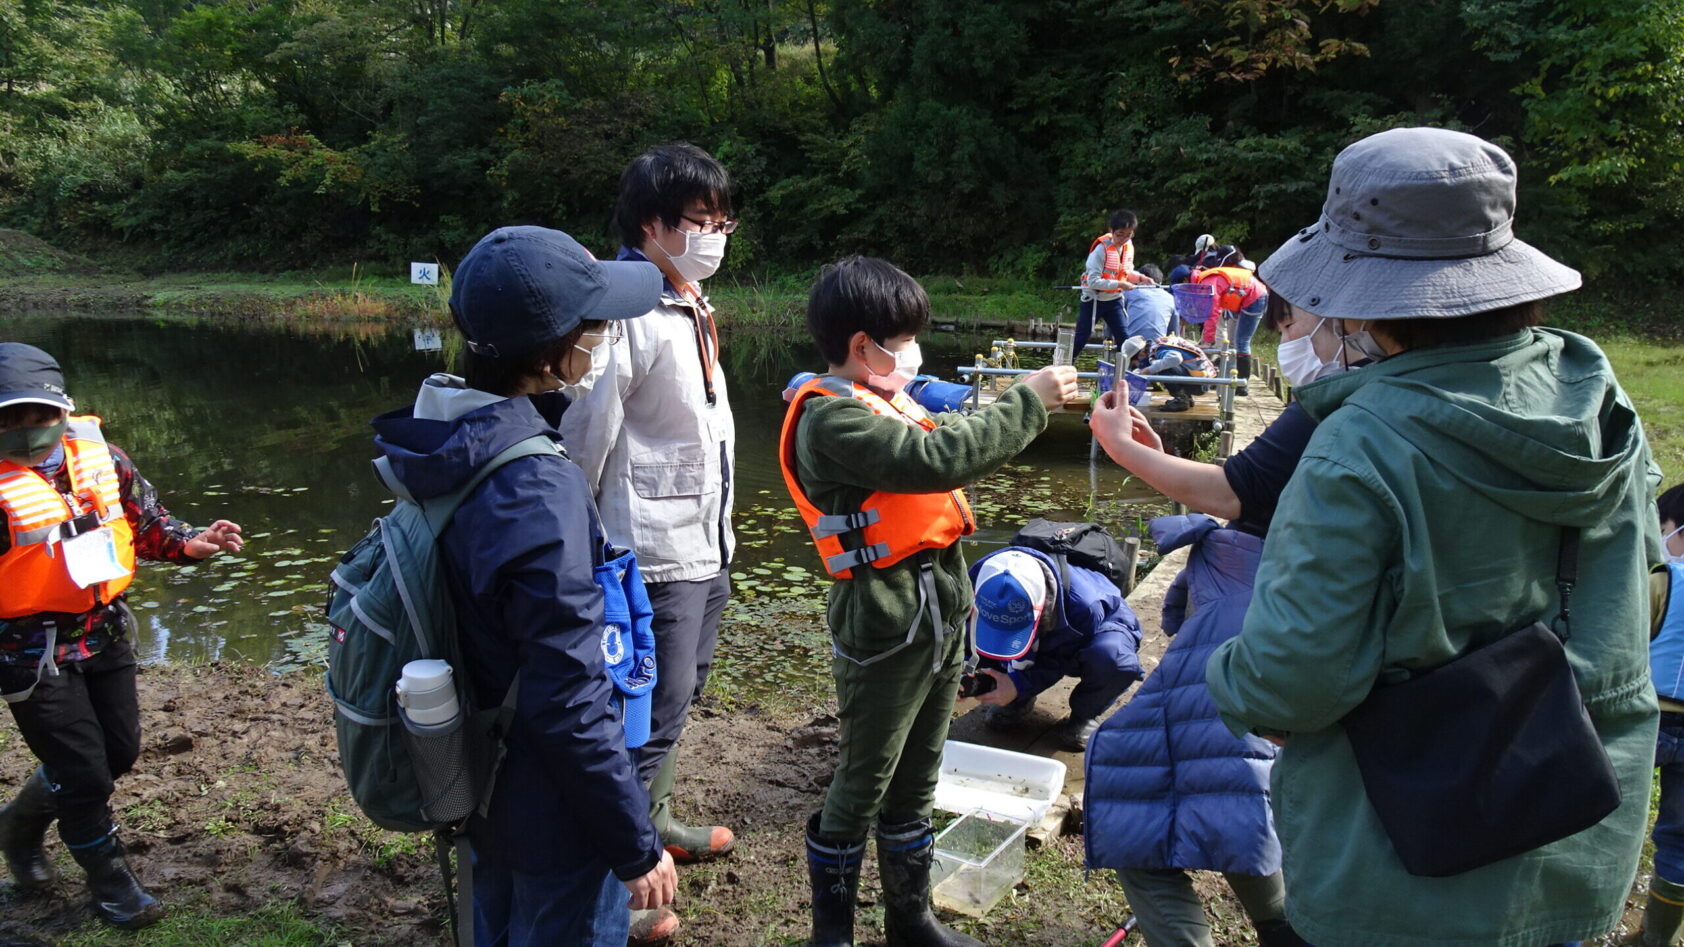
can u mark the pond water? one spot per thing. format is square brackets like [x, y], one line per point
[268, 426]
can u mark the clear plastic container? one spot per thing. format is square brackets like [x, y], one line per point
[978, 859]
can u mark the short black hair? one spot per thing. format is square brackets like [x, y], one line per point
[1124, 218]
[504, 374]
[1461, 330]
[28, 414]
[863, 294]
[662, 182]
[1276, 312]
[1671, 505]
[1151, 272]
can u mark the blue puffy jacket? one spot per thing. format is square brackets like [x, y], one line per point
[1098, 637]
[1167, 785]
[519, 555]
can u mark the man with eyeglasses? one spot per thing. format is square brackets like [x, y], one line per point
[655, 438]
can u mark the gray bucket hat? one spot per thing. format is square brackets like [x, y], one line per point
[1418, 223]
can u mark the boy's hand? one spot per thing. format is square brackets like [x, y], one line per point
[1004, 691]
[655, 888]
[221, 535]
[1055, 385]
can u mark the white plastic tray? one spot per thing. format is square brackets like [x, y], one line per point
[1016, 786]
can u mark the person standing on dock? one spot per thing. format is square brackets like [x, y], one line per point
[654, 434]
[878, 483]
[1108, 274]
[77, 514]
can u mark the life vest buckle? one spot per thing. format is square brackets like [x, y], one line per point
[76, 526]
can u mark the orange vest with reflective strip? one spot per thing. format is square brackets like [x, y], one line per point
[1240, 283]
[1117, 262]
[33, 577]
[888, 527]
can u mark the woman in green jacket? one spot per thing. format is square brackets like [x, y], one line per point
[1428, 506]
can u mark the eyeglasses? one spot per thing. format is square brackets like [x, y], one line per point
[712, 226]
[612, 334]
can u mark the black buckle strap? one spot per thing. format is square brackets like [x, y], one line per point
[76, 526]
[1566, 579]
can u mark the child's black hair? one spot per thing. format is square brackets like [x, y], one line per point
[662, 182]
[1151, 272]
[1671, 505]
[863, 294]
[1124, 219]
[28, 414]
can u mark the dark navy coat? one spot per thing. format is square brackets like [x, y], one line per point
[1168, 786]
[1097, 639]
[519, 556]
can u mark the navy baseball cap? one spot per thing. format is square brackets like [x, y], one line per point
[1011, 594]
[521, 288]
[31, 376]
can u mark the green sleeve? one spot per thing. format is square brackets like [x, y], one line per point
[1313, 641]
[844, 442]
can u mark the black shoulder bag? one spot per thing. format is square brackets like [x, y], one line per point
[1488, 756]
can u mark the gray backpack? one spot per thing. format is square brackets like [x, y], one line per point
[389, 604]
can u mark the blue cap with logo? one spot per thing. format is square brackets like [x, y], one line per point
[1011, 594]
[521, 288]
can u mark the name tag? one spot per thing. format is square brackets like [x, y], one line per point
[92, 557]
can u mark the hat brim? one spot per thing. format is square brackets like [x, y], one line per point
[633, 288]
[36, 396]
[1324, 279]
[1002, 644]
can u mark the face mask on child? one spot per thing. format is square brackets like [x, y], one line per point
[598, 356]
[703, 252]
[907, 361]
[1299, 361]
[27, 446]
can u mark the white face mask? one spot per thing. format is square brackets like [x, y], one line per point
[1299, 361]
[1672, 557]
[703, 252]
[907, 361]
[598, 355]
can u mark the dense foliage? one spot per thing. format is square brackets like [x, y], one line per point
[992, 135]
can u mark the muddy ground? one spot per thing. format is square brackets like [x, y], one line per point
[237, 803]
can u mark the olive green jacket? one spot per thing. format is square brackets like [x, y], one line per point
[1424, 520]
[844, 453]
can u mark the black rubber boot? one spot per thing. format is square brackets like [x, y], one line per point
[118, 896]
[833, 868]
[1181, 401]
[1243, 369]
[1662, 917]
[1278, 933]
[23, 828]
[904, 855]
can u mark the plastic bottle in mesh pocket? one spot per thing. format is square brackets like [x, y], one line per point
[440, 754]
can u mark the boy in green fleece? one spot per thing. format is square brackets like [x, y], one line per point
[879, 485]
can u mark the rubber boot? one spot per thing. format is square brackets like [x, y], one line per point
[118, 896]
[1243, 369]
[1662, 916]
[904, 855]
[23, 828]
[687, 844]
[653, 926]
[1072, 734]
[833, 869]
[1278, 933]
[1180, 402]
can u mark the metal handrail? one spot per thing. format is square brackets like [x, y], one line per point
[1166, 379]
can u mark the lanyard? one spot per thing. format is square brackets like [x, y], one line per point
[707, 336]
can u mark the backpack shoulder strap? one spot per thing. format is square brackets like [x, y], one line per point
[440, 509]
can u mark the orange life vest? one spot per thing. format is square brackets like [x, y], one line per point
[33, 575]
[888, 527]
[1195, 361]
[1118, 262]
[1241, 282]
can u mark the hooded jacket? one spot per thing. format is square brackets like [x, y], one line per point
[1424, 521]
[1167, 786]
[519, 554]
[1098, 632]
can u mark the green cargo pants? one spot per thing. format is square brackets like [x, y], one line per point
[1171, 914]
[894, 716]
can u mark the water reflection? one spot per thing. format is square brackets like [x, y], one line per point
[268, 426]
